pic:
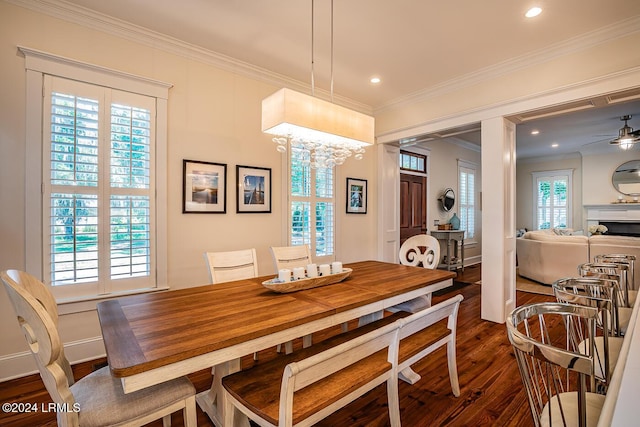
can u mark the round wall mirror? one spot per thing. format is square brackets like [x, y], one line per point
[448, 199]
[626, 178]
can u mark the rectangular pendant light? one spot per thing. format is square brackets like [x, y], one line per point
[303, 117]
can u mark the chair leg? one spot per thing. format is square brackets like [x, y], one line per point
[288, 347]
[453, 368]
[307, 340]
[166, 420]
[394, 401]
[344, 327]
[189, 412]
[408, 375]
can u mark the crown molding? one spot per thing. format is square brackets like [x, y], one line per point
[573, 45]
[97, 21]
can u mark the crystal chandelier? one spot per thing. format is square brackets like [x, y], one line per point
[329, 133]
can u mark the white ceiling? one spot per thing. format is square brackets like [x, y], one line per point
[413, 45]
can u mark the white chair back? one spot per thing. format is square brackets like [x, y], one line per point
[232, 265]
[290, 257]
[422, 249]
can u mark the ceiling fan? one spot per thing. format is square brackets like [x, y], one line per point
[626, 135]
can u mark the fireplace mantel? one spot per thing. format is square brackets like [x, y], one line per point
[613, 212]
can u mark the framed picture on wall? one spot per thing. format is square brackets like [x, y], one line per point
[253, 189]
[204, 187]
[356, 196]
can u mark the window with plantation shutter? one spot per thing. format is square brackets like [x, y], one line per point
[552, 199]
[312, 203]
[467, 198]
[98, 189]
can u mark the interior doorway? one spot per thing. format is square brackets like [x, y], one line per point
[413, 205]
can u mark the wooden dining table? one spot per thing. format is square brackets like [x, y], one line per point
[152, 338]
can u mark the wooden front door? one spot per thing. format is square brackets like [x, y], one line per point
[413, 205]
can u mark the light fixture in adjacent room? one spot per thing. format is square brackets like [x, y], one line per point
[329, 133]
[533, 12]
[627, 137]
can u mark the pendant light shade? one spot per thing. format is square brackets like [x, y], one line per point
[297, 116]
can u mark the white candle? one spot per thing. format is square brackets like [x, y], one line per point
[325, 269]
[312, 270]
[284, 275]
[336, 267]
[298, 273]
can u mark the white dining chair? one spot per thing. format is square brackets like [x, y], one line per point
[419, 250]
[290, 257]
[232, 265]
[98, 398]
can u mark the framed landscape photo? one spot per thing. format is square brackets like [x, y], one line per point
[254, 189]
[356, 196]
[204, 187]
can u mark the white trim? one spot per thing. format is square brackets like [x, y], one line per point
[599, 86]
[17, 365]
[552, 174]
[37, 65]
[61, 66]
[470, 241]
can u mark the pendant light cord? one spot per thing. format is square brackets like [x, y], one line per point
[312, 61]
[331, 50]
[313, 83]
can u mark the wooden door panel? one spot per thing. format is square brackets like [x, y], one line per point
[413, 206]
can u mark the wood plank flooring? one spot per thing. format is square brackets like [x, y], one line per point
[491, 389]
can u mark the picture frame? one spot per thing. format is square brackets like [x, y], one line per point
[204, 187]
[253, 189]
[356, 196]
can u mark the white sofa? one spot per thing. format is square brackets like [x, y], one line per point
[545, 257]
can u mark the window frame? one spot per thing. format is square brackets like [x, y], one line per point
[37, 65]
[565, 173]
[468, 167]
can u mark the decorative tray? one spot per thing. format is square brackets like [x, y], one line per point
[301, 284]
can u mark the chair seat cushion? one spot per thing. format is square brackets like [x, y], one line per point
[624, 316]
[615, 344]
[569, 404]
[102, 401]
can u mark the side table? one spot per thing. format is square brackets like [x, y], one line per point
[455, 238]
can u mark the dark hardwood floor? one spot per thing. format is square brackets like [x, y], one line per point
[491, 389]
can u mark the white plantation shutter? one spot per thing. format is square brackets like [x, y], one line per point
[467, 198]
[98, 187]
[312, 205]
[552, 199]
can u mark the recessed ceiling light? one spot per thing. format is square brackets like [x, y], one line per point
[554, 145]
[535, 132]
[375, 80]
[534, 11]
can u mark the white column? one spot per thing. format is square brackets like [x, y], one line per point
[498, 219]
[388, 202]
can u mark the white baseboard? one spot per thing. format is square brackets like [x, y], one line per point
[469, 261]
[21, 364]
